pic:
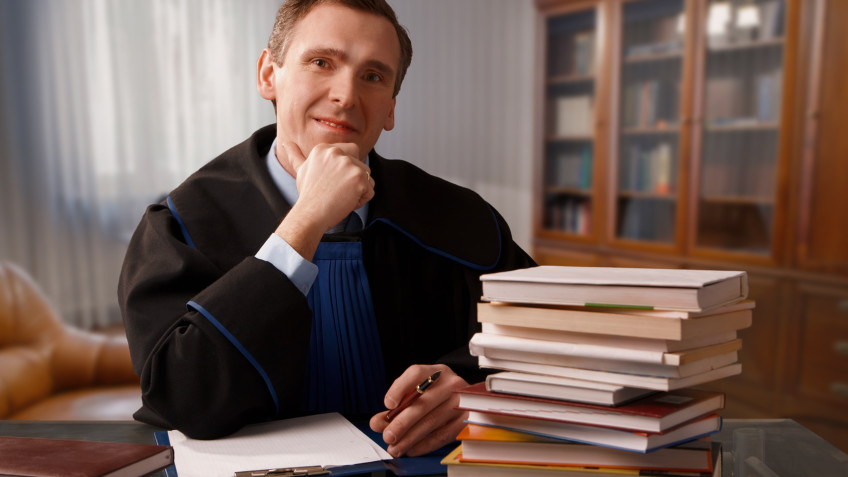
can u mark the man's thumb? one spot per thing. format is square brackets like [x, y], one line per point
[295, 156]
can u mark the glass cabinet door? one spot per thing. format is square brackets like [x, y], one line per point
[569, 122]
[649, 92]
[737, 160]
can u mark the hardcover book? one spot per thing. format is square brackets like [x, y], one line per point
[617, 321]
[657, 383]
[672, 289]
[655, 413]
[629, 342]
[489, 444]
[513, 347]
[564, 389]
[602, 436]
[457, 467]
[640, 368]
[40, 457]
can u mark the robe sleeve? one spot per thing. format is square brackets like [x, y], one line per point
[215, 349]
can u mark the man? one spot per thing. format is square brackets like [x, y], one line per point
[243, 303]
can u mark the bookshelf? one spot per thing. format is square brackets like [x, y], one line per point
[569, 143]
[650, 71]
[711, 137]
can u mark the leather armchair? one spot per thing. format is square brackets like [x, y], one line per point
[52, 371]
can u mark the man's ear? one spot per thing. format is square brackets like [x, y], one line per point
[390, 119]
[265, 76]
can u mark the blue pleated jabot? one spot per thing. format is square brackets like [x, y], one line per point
[345, 372]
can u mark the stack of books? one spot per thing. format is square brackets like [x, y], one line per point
[597, 371]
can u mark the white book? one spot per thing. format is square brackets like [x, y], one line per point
[625, 379]
[566, 389]
[493, 345]
[631, 342]
[672, 289]
[574, 116]
[540, 357]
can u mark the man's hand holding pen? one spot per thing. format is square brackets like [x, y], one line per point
[430, 420]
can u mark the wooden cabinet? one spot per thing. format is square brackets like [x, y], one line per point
[709, 134]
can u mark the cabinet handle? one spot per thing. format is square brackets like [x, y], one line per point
[841, 347]
[839, 388]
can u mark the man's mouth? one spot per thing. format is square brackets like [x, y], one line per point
[334, 124]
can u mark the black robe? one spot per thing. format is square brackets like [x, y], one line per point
[424, 247]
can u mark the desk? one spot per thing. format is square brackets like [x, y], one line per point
[790, 450]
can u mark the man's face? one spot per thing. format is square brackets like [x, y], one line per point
[337, 79]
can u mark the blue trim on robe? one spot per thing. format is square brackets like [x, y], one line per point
[241, 348]
[454, 258]
[183, 229]
[345, 370]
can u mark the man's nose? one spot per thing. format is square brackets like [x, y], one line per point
[343, 90]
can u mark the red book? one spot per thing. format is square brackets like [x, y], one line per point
[655, 413]
[32, 456]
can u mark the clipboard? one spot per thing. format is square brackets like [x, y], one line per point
[428, 464]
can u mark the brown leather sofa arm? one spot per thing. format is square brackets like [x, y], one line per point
[82, 359]
[49, 370]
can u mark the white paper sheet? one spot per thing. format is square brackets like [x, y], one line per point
[322, 439]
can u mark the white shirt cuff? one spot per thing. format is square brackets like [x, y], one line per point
[280, 254]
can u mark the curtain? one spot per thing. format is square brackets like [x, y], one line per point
[106, 105]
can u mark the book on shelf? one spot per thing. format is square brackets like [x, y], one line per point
[512, 347]
[768, 91]
[490, 444]
[570, 214]
[572, 168]
[655, 413]
[457, 467]
[619, 321]
[633, 441]
[724, 98]
[658, 383]
[565, 389]
[771, 19]
[573, 116]
[629, 342]
[648, 170]
[650, 288]
[584, 53]
[33, 456]
[561, 55]
[650, 104]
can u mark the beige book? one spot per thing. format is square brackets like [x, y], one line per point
[612, 321]
[650, 288]
[630, 342]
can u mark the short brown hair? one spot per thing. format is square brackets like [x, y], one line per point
[292, 11]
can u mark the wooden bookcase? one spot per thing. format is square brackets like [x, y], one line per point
[709, 134]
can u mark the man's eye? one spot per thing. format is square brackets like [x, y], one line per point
[320, 63]
[373, 77]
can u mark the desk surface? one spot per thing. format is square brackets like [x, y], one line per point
[790, 450]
